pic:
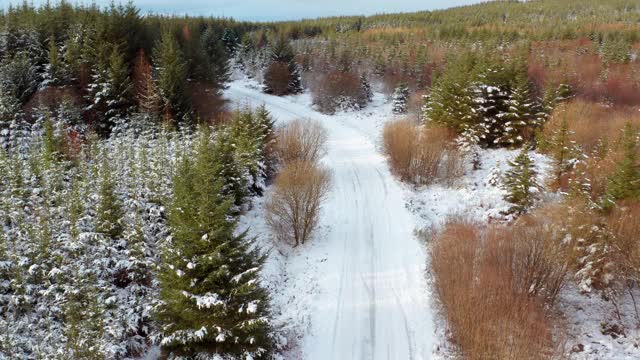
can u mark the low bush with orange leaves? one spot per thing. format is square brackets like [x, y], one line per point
[496, 287]
[590, 122]
[422, 156]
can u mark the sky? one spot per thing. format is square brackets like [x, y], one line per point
[269, 10]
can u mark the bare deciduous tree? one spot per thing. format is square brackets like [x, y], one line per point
[294, 207]
[301, 140]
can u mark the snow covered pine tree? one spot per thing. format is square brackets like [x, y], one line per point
[400, 99]
[211, 302]
[282, 76]
[521, 183]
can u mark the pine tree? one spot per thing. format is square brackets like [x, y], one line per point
[211, 302]
[121, 88]
[400, 98]
[10, 110]
[521, 183]
[266, 125]
[467, 143]
[366, 88]
[494, 100]
[172, 80]
[84, 321]
[563, 150]
[217, 58]
[109, 213]
[55, 68]
[491, 105]
[19, 77]
[523, 114]
[145, 87]
[235, 178]
[624, 183]
[230, 40]
[451, 101]
[6, 266]
[51, 144]
[249, 131]
[75, 209]
[111, 89]
[283, 64]
[245, 55]
[72, 55]
[555, 95]
[380, 65]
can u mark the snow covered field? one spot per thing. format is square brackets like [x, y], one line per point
[360, 289]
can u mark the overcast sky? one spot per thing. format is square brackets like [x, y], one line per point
[265, 10]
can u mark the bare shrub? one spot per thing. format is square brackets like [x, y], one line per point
[277, 77]
[620, 87]
[625, 227]
[400, 139]
[422, 156]
[294, 207]
[495, 287]
[534, 255]
[338, 90]
[301, 140]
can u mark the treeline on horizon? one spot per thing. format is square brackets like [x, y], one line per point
[112, 61]
[590, 45]
[507, 20]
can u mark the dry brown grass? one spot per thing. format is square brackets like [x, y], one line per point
[293, 208]
[591, 122]
[596, 130]
[422, 156]
[579, 64]
[301, 140]
[624, 226]
[495, 287]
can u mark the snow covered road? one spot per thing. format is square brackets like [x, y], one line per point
[372, 300]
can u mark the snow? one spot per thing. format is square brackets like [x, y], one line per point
[587, 316]
[207, 300]
[478, 196]
[357, 290]
[360, 288]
